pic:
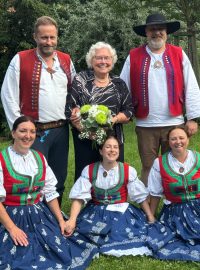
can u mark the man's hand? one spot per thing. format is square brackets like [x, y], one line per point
[191, 127]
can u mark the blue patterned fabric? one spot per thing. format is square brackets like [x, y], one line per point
[177, 235]
[114, 232]
[47, 249]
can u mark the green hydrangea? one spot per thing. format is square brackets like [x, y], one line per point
[103, 108]
[101, 118]
[85, 108]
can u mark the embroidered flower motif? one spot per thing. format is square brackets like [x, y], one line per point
[59, 250]
[8, 267]
[57, 240]
[13, 250]
[14, 211]
[44, 232]
[58, 266]
[5, 237]
[47, 247]
[42, 258]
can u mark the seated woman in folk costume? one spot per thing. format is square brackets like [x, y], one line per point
[32, 233]
[176, 177]
[108, 220]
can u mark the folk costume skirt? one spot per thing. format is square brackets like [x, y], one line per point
[177, 234]
[115, 233]
[48, 249]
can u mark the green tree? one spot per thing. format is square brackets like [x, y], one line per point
[83, 23]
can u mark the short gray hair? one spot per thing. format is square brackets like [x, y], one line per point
[100, 45]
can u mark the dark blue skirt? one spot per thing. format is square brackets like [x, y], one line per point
[48, 249]
[115, 233]
[177, 234]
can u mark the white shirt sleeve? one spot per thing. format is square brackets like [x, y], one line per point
[73, 71]
[155, 180]
[10, 91]
[136, 189]
[82, 187]
[125, 73]
[192, 92]
[49, 189]
[2, 189]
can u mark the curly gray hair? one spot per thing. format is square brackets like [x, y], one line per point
[100, 45]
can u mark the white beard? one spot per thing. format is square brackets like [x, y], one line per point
[156, 44]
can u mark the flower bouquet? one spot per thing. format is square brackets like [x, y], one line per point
[95, 121]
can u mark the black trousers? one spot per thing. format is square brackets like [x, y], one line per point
[54, 145]
[86, 154]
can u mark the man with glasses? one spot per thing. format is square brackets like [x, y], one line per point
[163, 85]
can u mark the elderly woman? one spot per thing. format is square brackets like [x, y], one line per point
[176, 177]
[97, 86]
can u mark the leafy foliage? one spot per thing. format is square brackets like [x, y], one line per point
[81, 25]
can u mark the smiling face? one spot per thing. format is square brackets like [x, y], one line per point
[24, 136]
[102, 62]
[46, 38]
[110, 150]
[178, 141]
[156, 37]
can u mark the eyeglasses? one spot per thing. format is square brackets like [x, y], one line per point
[101, 58]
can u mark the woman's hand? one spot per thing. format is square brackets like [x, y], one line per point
[62, 226]
[70, 226]
[75, 118]
[18, 236]
[75, 115]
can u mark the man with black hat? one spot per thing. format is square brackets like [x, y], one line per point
[163, 84]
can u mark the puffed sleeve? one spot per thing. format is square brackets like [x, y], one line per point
[2, 189]
[49, 189]
[154, 180]
[136, 189]
[82, 187]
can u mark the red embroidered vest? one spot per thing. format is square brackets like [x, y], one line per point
[180, 188]
[30, 72]
[117, 194]
[139, 69]
[22, 189]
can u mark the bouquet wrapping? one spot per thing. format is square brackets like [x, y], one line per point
[95, 122]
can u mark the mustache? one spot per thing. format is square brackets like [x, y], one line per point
[156, 36]
[47, 46]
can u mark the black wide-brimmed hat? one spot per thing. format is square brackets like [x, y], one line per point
[154, 19]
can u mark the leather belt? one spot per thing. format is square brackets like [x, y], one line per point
[49, 125]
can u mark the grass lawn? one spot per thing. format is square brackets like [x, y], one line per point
[129, 262]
